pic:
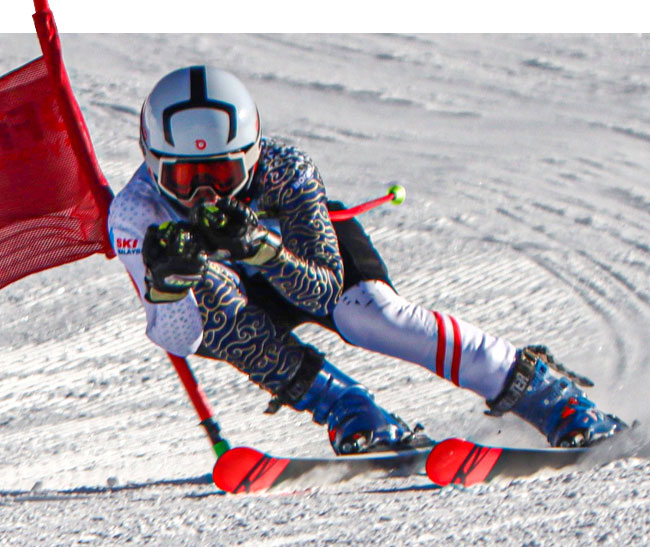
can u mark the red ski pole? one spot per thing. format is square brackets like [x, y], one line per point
[198, 398]
[200, 403]
[396, 195]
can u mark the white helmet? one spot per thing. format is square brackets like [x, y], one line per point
[200, 135]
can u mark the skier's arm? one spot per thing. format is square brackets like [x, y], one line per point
[304, 263]
[176, 326]
[308, 270]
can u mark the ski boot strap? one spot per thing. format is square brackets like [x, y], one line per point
[305, 376]
[517, 383]
[547, 357]
[522, 375]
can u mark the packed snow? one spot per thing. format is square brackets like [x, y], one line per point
[526, 162]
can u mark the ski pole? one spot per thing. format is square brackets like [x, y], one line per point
[198, 398]
[396, 195]
[200, 403]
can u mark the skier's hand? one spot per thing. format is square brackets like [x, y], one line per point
[229, 229]
[174, 261]
[228, 218]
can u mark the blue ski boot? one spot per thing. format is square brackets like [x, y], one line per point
[555, 406]
[355, 423]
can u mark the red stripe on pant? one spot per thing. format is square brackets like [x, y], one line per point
[455, 362]
[442, 345]
[442, 348]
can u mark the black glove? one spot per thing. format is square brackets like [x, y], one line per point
[174, 260]
[229, 229]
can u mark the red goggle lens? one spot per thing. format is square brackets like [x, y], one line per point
[184, 177]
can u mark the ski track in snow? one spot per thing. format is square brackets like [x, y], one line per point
[526, 161]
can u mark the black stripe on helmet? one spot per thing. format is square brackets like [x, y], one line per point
[199, 99]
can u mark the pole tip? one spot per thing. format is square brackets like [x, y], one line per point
[398, 192]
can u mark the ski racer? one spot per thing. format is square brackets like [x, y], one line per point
[228, 237]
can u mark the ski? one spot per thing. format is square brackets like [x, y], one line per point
[451, 461]
[460, 462]
[246, 470]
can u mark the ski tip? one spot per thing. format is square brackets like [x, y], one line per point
[461, 462]
[243, 469]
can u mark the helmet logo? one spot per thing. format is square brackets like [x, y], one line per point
[200, 144]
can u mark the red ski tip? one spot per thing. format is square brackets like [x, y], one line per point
[244, 469]
[457, 461]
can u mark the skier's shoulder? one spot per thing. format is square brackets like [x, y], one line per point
[138, 190]
[137, 204]
[286, 164]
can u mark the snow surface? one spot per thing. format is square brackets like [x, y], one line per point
[526, 162]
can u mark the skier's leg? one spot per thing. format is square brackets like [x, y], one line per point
[372, 315]
[246, 336]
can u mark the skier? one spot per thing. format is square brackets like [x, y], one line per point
[227, 235]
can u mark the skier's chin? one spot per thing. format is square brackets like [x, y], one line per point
[206, 198]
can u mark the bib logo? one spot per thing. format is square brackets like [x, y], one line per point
[127, 246]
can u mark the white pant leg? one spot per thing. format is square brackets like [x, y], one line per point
[371, 315]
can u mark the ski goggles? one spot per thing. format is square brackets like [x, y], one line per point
[190, 178]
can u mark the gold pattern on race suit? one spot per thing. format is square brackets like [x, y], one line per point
[308, 273]
[309, 270]
[243, 334]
